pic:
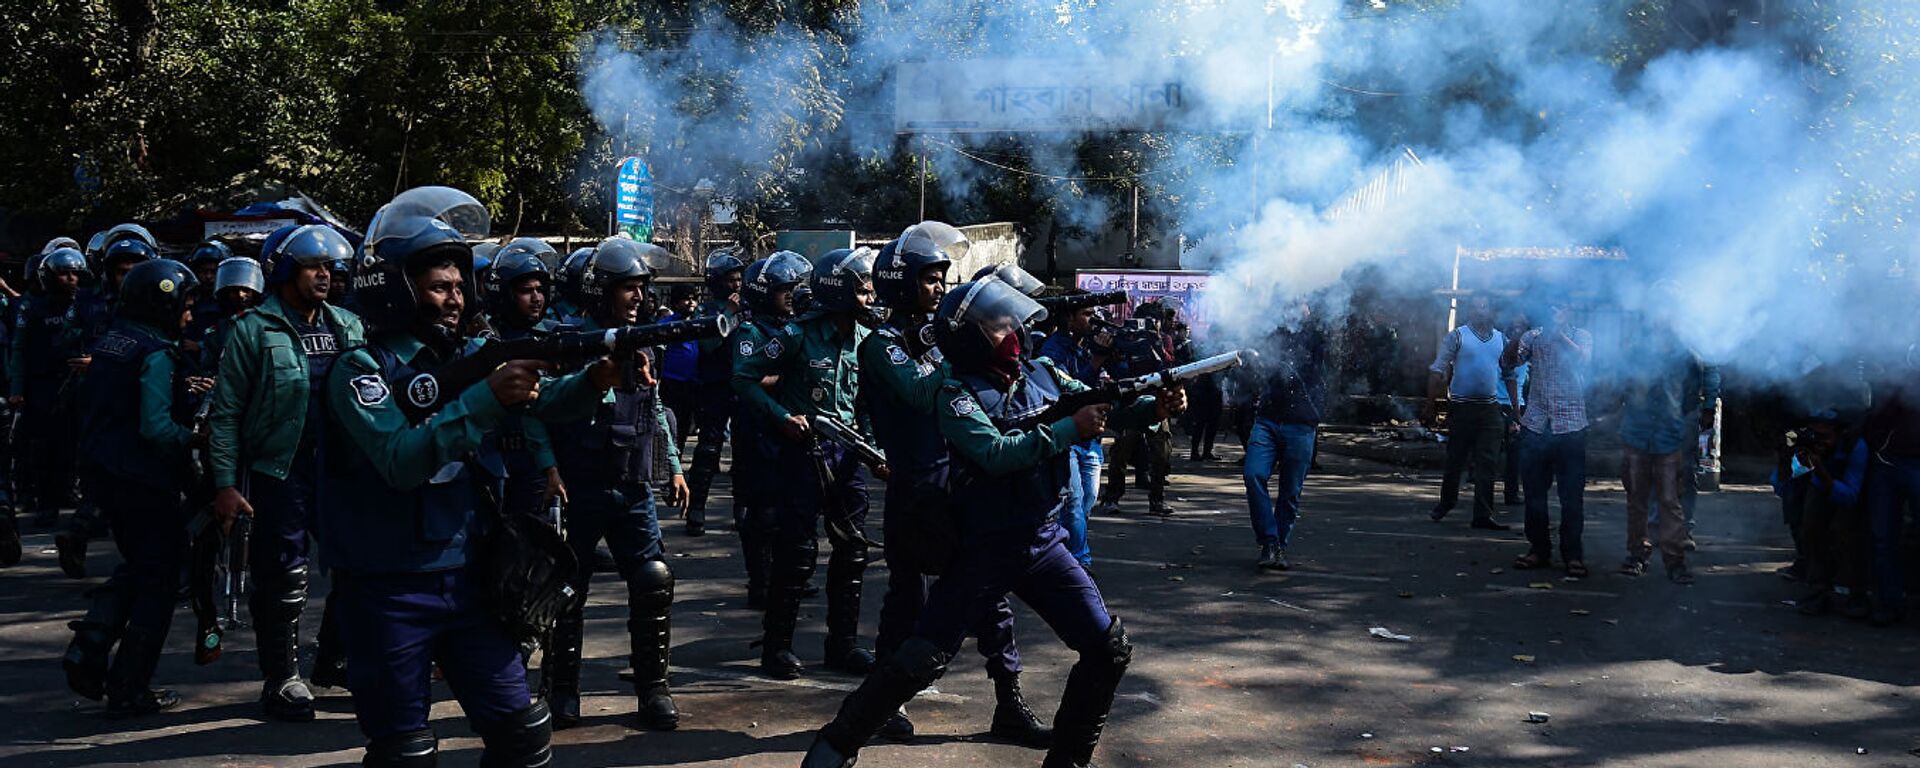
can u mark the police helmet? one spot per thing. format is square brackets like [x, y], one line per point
[936, 235]
[211, 251]
[721, 263]
[840, 276]
[516, 262]
[128, 249]
[972, 316]
[129, 231]
[239, 272]
[95, 246]
[61, 260]
[898, 267]
[616, 260]
[1011, 274]
[30, 276]
[483, 254]
[780, 270]
[59, 242]
[566, 279]
[292, 247]
[418, 228]
[156, 292]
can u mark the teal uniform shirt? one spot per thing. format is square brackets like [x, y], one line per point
[818, 366]
[973, 436]
[659, 415]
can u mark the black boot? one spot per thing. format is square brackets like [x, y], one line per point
[1013, 720]
[560, 669]
[756, 547]
[413, 749]
[908, 670]
[793, 568]
[93, 638]
[9, 538]
[649, 608]
[899, 727]
[132, 672]
[1088, 699]
[276, 607]
[525, 741]
[329, 655]
[846, 571]
[71, 546]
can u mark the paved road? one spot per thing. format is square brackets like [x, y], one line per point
[1232, 668]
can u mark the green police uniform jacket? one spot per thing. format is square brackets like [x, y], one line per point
[260, 393]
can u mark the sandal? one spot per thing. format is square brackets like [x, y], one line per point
[1530, 561]
[1577, 569]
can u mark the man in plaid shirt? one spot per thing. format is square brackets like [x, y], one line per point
[1553, 434]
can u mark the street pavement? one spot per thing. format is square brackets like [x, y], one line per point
[1231, 667]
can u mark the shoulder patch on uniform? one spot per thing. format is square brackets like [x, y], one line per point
[964, 405]
[746, 349]
[369, 390]
[423, 391]
[896, 355]
[774, 348]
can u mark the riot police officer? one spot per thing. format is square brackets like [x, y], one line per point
[714, 404]
[17, 467]
[37, 369]
[770, 286]
[515, 295]
[401, 520]
[1008, 487]
[205, 262]
[901, 372]
[609, 462]
[564, 305]
[238, 287]
[135, 411]
[266, 428]
[89, 318]
[1141, 349]
[816, 365]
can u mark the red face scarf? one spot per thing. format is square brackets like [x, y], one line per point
[1005, 359]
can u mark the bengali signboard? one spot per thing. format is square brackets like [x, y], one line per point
[633, 199]
[1178, 289]
[1036, 95]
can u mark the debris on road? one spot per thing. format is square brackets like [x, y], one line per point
[1387, 634]
[1405, 595]
[1541, 585]
[1538, 717]
[1523, 658]
[1580, 612]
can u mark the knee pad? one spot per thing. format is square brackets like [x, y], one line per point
[524, 740]
[651, 585]
[413, 749]
[916, 661]
[1114, 650]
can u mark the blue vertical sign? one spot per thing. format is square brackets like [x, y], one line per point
[633, 199]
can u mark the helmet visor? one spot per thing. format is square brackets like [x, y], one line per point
[996, 307]
[241, 272]
[420, 209]
[1020, 279]
[313, 244]
[937, 235]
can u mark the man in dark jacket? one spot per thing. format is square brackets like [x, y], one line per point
[1288, 421]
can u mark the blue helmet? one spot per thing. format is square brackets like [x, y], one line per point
[483, 254]
[419, 227]
[156, 292]
[721, 263]
[239, 272]
[780, 270]
[971, 315]
[839, 278]
[515, 262]
[1013, 275]
[61, 260]
[898, 267]
[566, 279]
[616, 260]
[211, 251]
[57, 243]
[302, 246]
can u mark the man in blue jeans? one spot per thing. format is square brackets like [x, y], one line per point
[1553, 435]
[1289, 412]
[1080, 352]
[1893, 494]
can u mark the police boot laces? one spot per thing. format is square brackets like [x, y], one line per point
[1014, 720]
